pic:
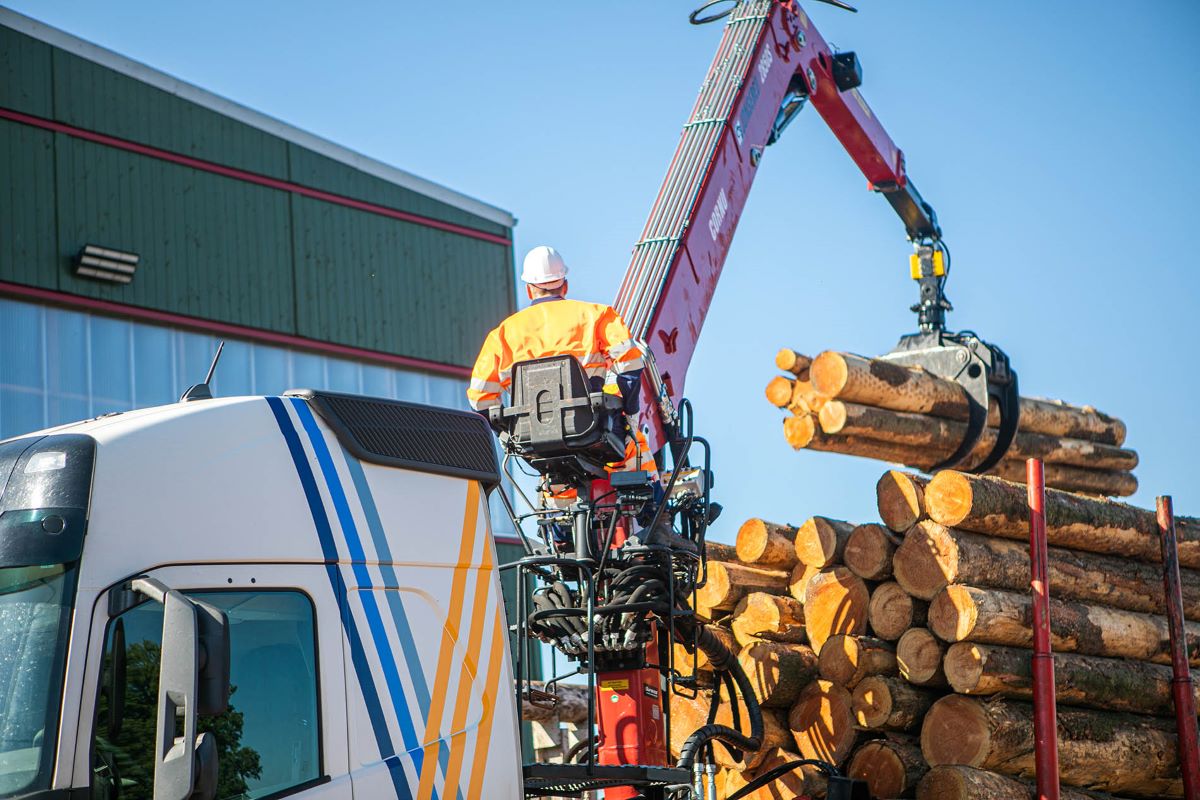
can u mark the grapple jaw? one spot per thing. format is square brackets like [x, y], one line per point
[983, 371]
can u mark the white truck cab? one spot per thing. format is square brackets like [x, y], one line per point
[346, 541]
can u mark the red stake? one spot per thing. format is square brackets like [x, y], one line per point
[1181, 686]
[1045, 717]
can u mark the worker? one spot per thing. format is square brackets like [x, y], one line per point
[552, 325]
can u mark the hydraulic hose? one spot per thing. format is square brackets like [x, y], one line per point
[722, 661]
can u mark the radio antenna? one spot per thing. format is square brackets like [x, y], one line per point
[202, 391]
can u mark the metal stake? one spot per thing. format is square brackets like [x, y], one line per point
[1045, 717]
[1181, 685]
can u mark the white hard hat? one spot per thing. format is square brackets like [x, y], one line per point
[543, 265]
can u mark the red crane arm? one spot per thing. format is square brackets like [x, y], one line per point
[771, 61]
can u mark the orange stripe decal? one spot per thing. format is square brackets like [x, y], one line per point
[483, 741]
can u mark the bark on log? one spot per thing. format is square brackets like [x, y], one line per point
[887, 385]
[933, 556]
[998, 507]
[778, 671]
[799, 430]
[779, 391]
[1088, 681]
[1074, 479]
[836, 601]
[890, 703]
[820, 541]
[874, 449]
[846, 660]
[994, 616]
[806, 781]
[798, 580]
[729, 582]
[1056, 418]
[777, 618]
[891, 767]
[869, 550]
[822, 723]
[789, 360]
[1122, 753]
[900, 497]
[768, 545]
[572, 705]
[719, 551]
[919, 655]
[892, 611]
[953, 782]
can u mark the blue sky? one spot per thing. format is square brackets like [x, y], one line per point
[1058, 143]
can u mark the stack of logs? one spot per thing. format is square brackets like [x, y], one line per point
[901, 651]
[844, 403]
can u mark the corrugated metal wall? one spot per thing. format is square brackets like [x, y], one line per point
[225, 249]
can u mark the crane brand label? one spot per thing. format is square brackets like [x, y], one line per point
[720, 208]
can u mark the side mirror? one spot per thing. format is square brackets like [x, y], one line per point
[193, 663]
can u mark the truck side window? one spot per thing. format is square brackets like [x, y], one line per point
[267, 740]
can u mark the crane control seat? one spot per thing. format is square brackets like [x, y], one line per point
[558, 424]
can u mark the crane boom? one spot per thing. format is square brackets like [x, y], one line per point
[771, 61]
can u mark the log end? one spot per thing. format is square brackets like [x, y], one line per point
[964, 663]
[789, 360]
[822, 723]
[900, 497]
[881, 769]
[779, 391]
[869, 551]
[953, 614]
[829, 373]
[799, 430]
[836, 601]
[926, 560]
[890, 611]
[871, 702]
[948, 497]
[751, 541]
[839, 659]
[955, 731]
[832, 416]
[919, 657]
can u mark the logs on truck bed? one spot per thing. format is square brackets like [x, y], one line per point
[846, 660]
[1073, 479]
[777, 618]
[778, 671]
[822, 723]
[999, 507]
[889, 703]
[729, 582]
[1089, 681]
[684, 660]
[1122, 753]
[994, 616]
[953, 782]
[820, 541]
[768, 545]
[919, 656]
[890, 767]
[892, 611]
[835, 601]
[900, 497]
[933, 556]
[688, 715]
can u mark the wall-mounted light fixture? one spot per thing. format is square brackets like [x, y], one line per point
[106, 264]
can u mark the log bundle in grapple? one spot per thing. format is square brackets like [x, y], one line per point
[900, 650]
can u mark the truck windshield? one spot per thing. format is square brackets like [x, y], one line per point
[35, 610]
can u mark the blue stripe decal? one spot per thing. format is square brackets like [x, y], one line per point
[358, 564]
[329, 552]
[399, 618]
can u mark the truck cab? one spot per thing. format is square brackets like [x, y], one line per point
[346, 543]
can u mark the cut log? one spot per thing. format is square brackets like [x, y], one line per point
[732, 781]
[1074, 479]
[719, 551]
[688, 715]
[1121, 753]
[932, 556]
[836, 601]
[729, 582]
[789, 360]
[869, 550]
[952, 782]
[572, 705]
[1056, 418]
[886, 385]
[798, 580]
[806, 398]
[684, 659]
[798, 430]
[1089, 681]
[994, 616]
[919, 656]
[900, 497]
[889, 703]
[805, 781]
[914, 457]
[998, 507]
[846, 660]
[777, 618]
[820, 541]
[822, 723]
[890, 767]
[892, 611]
[779, 391]
[768, 545]
[778, 671]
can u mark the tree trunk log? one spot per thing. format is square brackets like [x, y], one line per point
[805, 397]
[836, 601]
[572, 705]
[919, 655]
[933, 556]
[688, 715]
[891, 767]
[994, 616]
[719, 551]
[729, 582]
[999, 507]
[799, 430]
[778, 671]
[869, 550]
[886, 385]
[1073, 479]
[798, 580]
[1089, 681]
[777, 618]
[900, 497]
[820, 541]
[892, 611]
[846, 660]
[683, 659]
[889, 703]
[768, 545]
[1056, 418]
[805, 781]
[1111, 752]
[822, 723]
[789, 360]
[874, 449]
[779, 391]
[952, 782]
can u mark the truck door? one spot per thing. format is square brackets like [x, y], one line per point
[284, 732]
